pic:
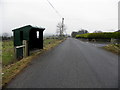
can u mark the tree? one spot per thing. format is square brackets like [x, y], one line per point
[60, 29]
[82, 31]
[6, 36]
[118, 31]
[74, 34]
[97, 31]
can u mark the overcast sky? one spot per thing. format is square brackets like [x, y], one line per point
[87, 14]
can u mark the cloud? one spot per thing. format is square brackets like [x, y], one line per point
[89, 14]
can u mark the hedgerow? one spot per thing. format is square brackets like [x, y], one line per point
[106, 35]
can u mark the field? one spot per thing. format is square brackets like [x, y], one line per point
[8, 50]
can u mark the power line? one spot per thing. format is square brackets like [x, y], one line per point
[54, 8]
[58, 14]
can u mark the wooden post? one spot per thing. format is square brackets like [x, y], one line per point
[15, 53]
[113, 41]
[25, 48]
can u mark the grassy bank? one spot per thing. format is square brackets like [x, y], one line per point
[10, 71]
[7, 52]
[114, 48]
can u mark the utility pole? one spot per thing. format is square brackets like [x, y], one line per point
[62, 26]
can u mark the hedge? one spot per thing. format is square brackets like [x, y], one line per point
[107, 35]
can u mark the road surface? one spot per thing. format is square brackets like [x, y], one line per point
[72, 64]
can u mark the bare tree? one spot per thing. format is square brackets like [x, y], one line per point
[5, 35]
[61, 29]
[97, 31]
[82, 31]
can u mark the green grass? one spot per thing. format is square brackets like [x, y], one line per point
[114, 48]
[7, 52]
[0, 43]
[0, 52]
[49, 41]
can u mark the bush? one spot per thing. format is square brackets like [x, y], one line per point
[115, 35]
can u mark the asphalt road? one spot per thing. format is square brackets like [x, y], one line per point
[72, 64]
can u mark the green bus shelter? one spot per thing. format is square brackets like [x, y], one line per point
[32, 36]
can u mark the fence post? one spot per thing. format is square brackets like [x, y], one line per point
[25, 48]
[114, 41]
[15, 53]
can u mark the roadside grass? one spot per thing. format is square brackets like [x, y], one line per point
[0, 50]
[10, 71]
[49, 41]
[7, 52]
[0, 45]
[114, 48]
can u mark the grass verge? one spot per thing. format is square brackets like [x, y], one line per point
[7, 52]
[114, 48]
[10, 71]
